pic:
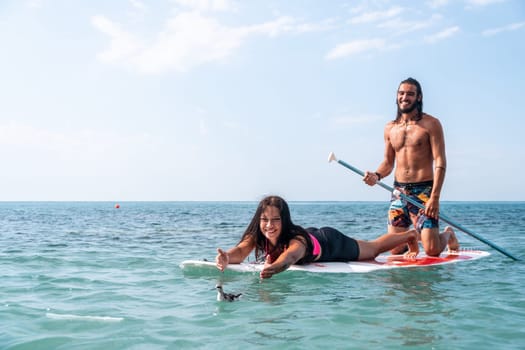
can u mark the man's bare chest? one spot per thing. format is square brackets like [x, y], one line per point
[408, 137]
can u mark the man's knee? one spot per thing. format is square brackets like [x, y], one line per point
[432, 251]
[431, 241]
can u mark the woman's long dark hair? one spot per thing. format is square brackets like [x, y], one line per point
[419, 104]
[289, 229]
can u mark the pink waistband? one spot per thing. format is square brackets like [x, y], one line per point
[317, 246]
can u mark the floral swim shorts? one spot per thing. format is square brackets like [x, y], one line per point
[403, 213]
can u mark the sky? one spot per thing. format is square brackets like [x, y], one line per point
[224, 100]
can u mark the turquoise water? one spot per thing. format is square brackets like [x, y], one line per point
[89, 276]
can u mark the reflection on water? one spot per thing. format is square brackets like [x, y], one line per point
[422, 299]
[274, 291]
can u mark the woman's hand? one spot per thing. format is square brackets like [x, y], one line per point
[290, 256]
[270, 269]
[222, 259]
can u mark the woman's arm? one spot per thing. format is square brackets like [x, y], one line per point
[235, 255]
[296, 251]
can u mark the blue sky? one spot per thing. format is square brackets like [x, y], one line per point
[231, 100]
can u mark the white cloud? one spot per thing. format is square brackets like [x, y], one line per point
[375, 16]
[442, 35]
[398, 26]
[122, 43]
[325, 25]
[478, 3]
[274, 28]
[507, 28]
[355, 47]
[35, 4]
[438, 3]
[188, 39]
[207, 5]
[138, 5]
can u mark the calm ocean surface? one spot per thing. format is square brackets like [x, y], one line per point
[89, 276]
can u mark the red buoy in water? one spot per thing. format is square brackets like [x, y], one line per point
[117, 206]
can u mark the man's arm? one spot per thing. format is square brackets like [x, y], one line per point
[387, 165]
[437, 144]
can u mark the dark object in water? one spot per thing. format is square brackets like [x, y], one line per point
[222, 296]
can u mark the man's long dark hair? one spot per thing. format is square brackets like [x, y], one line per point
[289, 229]
[419, 104]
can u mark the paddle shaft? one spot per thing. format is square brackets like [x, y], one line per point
[421, 206]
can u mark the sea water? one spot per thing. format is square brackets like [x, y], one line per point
[91, 276]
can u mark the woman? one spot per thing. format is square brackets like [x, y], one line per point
[273, 235]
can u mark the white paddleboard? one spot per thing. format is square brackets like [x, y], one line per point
[382, 262]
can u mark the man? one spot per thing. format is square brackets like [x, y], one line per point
[415, 141]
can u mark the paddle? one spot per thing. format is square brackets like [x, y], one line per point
[397, 193]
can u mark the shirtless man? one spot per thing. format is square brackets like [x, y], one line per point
[415, 141]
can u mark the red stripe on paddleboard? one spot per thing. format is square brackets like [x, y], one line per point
[427, 260]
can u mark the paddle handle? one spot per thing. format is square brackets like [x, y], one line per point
[443, 217]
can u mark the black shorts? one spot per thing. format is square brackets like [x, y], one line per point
[335, 246]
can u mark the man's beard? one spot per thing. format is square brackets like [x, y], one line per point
[407, 109]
